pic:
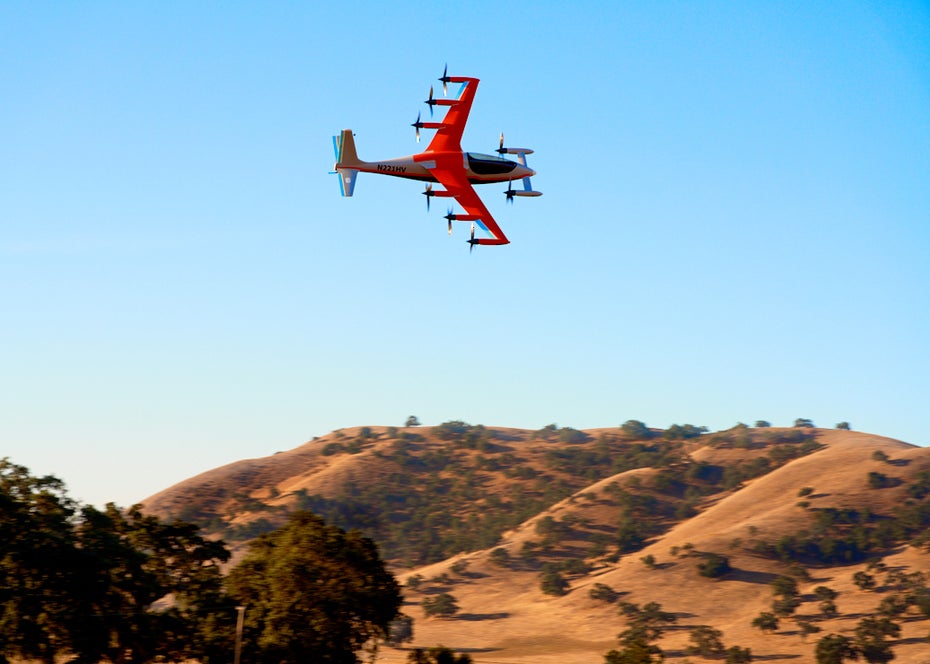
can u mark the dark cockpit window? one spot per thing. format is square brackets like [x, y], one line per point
[485, 164]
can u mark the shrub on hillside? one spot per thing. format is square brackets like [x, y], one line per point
[604, 593]
[713, 565]
[705, 641]
[442, 605]
[552, 583]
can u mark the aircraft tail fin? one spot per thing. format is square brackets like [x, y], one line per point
[346, 158]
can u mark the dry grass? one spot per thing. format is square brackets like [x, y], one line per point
[505, 618]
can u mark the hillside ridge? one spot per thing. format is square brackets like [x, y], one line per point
[738, 493]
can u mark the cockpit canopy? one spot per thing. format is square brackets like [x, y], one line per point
[486, 164]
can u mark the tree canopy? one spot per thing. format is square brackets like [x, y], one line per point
[83, 581]
[117, 585]
[313, 592]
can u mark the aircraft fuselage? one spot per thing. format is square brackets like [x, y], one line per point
[479, 168]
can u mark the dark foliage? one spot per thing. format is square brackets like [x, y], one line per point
[313, 592]
[82, 581]
[713, 565]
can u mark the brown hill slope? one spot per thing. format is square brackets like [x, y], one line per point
[504, 615]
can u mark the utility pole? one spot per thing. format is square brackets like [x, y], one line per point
[240, 621]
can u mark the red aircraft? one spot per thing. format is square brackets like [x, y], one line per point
[445, 162]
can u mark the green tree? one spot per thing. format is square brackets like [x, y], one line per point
[804, 423]
[713, 565]
[82, 581]
[128, 561]
[636, 430]
[412, 421]
[705, 641]
[828, 609]
[603, 592]
[807, 628]
[37, 564]
[762, 424]
[737, 655]
[552, 583]
[637, 652]
[871, 640]
[880, 480]
[765, 621]
[864, 580]
[443, 605]
[843, 425]
[646, 623]
[438, 655]
[835, 649]
[500, 557]
[785, 586]
[785, 606]
[314, 592]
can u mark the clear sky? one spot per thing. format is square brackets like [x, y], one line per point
[735, 226]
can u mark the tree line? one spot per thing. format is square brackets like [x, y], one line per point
[117, 585]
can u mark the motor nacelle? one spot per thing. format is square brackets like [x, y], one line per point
[519, 192]
[514, 151]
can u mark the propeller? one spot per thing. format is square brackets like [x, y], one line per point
[428, 193]
[431, 102]
[451, 217]
[510, 192]
[445, 80]
[472, 242]
[500, 150]
[416, 125]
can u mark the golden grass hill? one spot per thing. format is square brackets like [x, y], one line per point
[521, 546]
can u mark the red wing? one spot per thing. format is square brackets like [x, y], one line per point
[448, 136]
[457, 184]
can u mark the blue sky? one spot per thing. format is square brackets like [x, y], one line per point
[735, 226]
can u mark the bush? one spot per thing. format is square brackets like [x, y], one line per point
[785, 586]
[442, 605]
[767, 622]
[834, 649]
[880, 480]
[737, 655]
[500, 557]
[864, 581]
[636, 430]
[714, 565]
[604, 593]
[552, 583]
[706, 641]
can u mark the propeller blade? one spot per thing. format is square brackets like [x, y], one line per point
[430, 101]
[500, 148]
[510, 192]
[445, 80]
[450, 227]
[416, 125]
[428, 193]
[472, 241]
